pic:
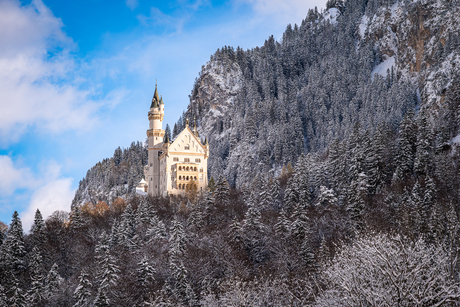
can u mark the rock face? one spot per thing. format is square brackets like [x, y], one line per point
[214, 94]
[259, 106]
[422, 37]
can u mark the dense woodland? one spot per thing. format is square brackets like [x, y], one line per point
[328, 188]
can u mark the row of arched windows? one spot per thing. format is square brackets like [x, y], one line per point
[191, 168]
[187, 178]
[183, 186]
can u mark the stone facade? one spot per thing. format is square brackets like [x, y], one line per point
[174, 167]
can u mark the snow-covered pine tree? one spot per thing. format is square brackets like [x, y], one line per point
[221, 193]
[406, 147]
[253, 233]
[128, 226]
[108, 271]
[157, 229]
[356, 204]
[37, 230]
[37, 294]
[53, 281]
[101, 299]
[283, 226]
[177, 239]
[14, 246]
[423, 146]
[18, 297]
[145, 275]
[82, 293]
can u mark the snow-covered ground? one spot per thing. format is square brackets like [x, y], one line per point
[383, 68]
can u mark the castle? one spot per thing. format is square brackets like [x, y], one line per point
[173, 167]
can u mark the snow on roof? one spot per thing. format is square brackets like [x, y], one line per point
[140, 191]
[142, 181]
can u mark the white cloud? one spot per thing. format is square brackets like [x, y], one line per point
[54, 195]
[51, 191]
[13, 177]
[132, 4]
[37, 85]
[283, 11]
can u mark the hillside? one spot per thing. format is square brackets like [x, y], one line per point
[335, 167]
[369, 64]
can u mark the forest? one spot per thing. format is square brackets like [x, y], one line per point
[330, 185]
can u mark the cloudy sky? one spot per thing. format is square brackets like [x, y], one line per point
[77, 77]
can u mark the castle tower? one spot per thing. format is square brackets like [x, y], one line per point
[155, 136]
[178, 166]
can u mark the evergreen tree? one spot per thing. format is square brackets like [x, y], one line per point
[157, 229]
[128, 226]
[221, 193]
[38, 229]
[406, 147]
[326, 197]
[423, 146]
[14, 246]
[300, 227]
[283, 225]
[76, 220]
[108, 272]
[253, 233]
[101, 298]
[53, 281]
[177, 240]
[145, 275]
[82, 293]
[356, 204]
[37, 290]
[18, 297]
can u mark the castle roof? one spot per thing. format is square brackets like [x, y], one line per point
[155, 99]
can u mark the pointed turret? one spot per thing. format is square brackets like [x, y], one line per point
[155, 99]
[167, 139]
[195, 130]
[161, 100]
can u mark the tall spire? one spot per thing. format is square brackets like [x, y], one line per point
[161, 100]
[195, 131]
[156, 98]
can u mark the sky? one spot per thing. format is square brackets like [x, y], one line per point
[77, 79]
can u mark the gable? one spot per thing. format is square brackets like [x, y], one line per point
[186, 141]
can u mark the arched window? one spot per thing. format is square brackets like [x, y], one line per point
[180, 177]
[194, 178]
[187, 169]
[201, 170]
[180, 168]
[194, 169]
[187, 147]
[187, 178]
[179, 185]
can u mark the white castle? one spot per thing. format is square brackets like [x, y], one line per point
[173, 167]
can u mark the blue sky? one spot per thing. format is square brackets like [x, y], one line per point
[77, 77]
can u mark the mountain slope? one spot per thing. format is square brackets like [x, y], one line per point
[362, 61]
